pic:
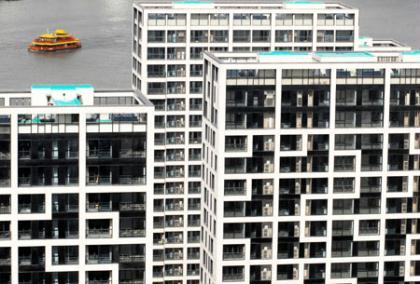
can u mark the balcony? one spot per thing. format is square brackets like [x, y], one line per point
[99, 228]
[99, 258]
[99, 233]
[173, 271]
[233, 277]
[99, 206]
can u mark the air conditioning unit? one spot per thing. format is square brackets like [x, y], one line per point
[266, 232]
[306, 251]
[310, 120]
[298, 120]
[405, 163]
[266, 253]
[402, 249]
[310, 142]
[309, 164]
[298, 164]
[268, 167]
[266, 274]
[299, 99]
[269, 99]
[405, 186]
[403, 226]
[267, 210]
[295, 251]
[269, 145]
[404, 207]
[414, 226]
[268, 188]
[298, 186]
[295, 273]
[406, 119]
[402, 271]
[406, 143]
[311, 98]
[297, 211]
[306, 272]
[407, 99]
[416, 162]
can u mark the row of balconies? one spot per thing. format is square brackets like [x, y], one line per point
[193, 237]
[175, 155]
[312, 163]
[177, 105]
[177, 188]
[308, 98]
[177, 172]
[262, 143]
[68, 175]
[174, 138]
[171, 270]
[305, 119]
[258, 164]
[177, 121]
[68, 203]
[257, 19]
[241, 120]
[175, 254]
[315, 272]
[69, 228]
[248, 230]
[161, 205]
[262, 188]
[175, 221]
[255, 208]
[250, 99]
[407, 97]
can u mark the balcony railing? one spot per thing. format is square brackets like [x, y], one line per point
[131, 206]
[233, 255]
[131, 258]
[233, 277]
[99, 259]
[132, 233]
[96, 179]
[99, 233]
[99, 206]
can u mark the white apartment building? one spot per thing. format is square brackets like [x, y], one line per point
[74, 201]
[311, 167]
[168, 41]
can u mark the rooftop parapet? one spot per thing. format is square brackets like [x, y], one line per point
[62, 95]
[244, 4]
[412, 56]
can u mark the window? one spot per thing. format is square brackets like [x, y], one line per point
[303, 36]
[284, 19]
[303, 20]
[241, 36]
[344, 36]
[325, 36]
[284, 36]
[242, 19]
[157, 19]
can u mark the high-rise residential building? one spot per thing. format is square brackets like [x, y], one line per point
[169, 38]
[311, 167]
[74, 203]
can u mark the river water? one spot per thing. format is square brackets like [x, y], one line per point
[104, 27]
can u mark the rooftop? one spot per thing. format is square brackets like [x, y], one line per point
[76, 95]
[242, 4]
[316, 57]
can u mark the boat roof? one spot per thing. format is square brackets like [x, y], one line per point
[47, 36]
